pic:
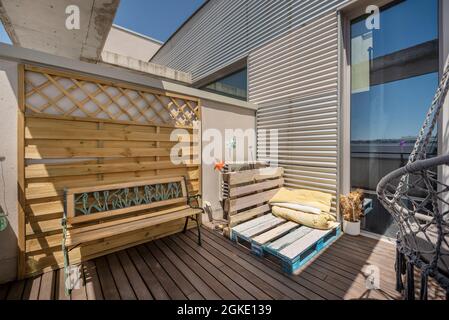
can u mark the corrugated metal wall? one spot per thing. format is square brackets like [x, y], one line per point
[295, 82]
[224, 31]
[292, 50]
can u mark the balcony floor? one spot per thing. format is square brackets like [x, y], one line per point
[176, 268]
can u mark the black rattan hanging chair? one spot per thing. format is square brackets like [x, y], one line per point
[417, 196]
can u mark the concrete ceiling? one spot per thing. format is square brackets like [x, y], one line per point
[41, 25]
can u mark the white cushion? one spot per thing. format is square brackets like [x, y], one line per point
[298, 207]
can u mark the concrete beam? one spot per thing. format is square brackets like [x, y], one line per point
[146, 67]
[41, 25]
[23, 55]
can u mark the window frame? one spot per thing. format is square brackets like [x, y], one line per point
[224, 72]
[204, 87]
[346, 14]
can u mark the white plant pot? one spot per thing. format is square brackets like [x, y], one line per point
[351, 228]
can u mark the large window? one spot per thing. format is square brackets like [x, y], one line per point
[394, 75]
[234, 85]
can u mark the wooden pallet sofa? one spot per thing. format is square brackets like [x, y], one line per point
[101, 211]
[252, 224]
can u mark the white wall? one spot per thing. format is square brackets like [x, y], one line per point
[8, 149]
[221, 117]
[130, 44]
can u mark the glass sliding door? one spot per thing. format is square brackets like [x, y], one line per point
[394, 75]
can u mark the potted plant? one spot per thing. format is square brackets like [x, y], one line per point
[352, 209]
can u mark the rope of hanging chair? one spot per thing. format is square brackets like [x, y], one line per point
[396, 190]
[419, 151]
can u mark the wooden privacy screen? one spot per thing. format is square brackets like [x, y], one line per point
[77, 131]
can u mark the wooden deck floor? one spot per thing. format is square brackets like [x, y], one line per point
[176, 268]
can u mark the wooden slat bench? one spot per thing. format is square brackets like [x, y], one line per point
[102, 211]
[252, 224]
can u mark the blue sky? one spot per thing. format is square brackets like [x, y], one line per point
[3, 35]
[396, 109]
[393, 110]
[158, 19]
[418, 24]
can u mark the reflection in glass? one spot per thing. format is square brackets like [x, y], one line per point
[234, 85]
[394, 75]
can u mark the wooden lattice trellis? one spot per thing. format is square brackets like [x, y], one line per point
[55, 93]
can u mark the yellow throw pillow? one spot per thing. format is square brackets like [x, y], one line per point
[320, 200]
[323, 221]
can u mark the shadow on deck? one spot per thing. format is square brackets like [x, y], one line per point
[176, 268]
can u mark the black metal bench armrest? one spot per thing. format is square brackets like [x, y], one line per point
[196, 197]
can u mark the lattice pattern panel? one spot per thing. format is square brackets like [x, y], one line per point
[51, 93]
[89, 203]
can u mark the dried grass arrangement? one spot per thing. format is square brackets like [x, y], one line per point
[352, 206]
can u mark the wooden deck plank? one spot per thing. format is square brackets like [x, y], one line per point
[369, 243]
[362, 248]
[382, 248]
[354, 264]
[238, 291]
[359, 260]
[79, 292]
[324, 285]
[235, 264]
[353, 276]
[275, 280]
[186, 287]
[275, 272]
[108, 287]
[32, 287]
[16, 290]
[354, 288]
[334, 265]
[222, 291]
[124, 288]
[169, 285]
[336, 279]
[233, 253]
[355, 267]
[92, 281]
[222, 269]
[156, 289]
[329, 281]
[196, 281]
[60, 286]
[196, 296]
[139, 287]
[347, 249]
[207, 252]
[4, 288]
[47, 290]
